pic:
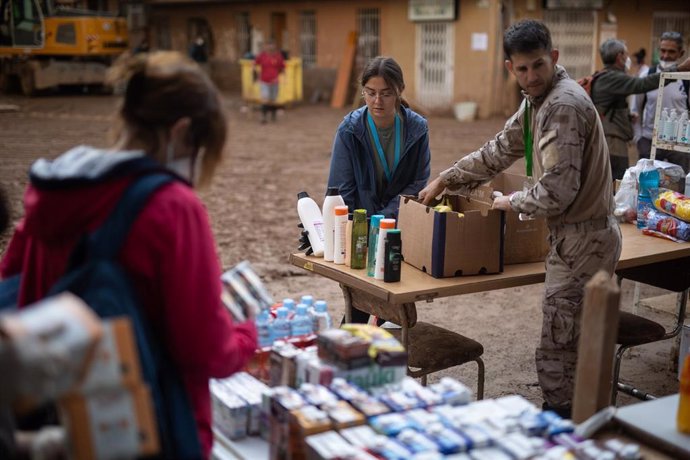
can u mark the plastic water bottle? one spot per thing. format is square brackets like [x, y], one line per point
[661, 126]
[671, 127]
[307, 300]
[321, 320]
[648, 185]
[682, 136]
[289, 304]
[301, 324]
[263, 327]
[332, 200]
[281, 325]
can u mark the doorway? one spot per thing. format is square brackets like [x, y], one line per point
[435, 71]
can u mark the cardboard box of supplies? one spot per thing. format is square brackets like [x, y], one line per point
[525, 240]
[446, 244]
[112, 423]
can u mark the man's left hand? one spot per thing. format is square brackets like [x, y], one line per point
[502, 203]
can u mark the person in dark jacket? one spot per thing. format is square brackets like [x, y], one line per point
[380, 150]
[609, 91]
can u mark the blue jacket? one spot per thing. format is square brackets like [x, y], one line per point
[352, 164]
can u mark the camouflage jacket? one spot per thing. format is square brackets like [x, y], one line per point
[571, 160]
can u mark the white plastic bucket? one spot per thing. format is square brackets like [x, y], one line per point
[465, 111]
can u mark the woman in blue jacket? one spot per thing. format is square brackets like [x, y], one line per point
[380, 150]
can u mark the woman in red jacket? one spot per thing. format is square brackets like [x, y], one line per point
[172, 113]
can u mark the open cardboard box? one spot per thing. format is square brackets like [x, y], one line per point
[525, 240]
[445, 244]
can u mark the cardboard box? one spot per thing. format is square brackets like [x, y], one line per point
[525, 240]
[110, 424]
[444, 244]
[116, 360]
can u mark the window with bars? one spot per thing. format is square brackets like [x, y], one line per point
[573, 32]
[307, 38]
[368, 36]
[667, 22]
[244, 35]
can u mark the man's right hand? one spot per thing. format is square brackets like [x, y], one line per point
[431, 191]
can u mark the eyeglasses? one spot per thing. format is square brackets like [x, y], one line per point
[372, 95]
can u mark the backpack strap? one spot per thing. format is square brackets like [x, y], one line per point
[108, 239]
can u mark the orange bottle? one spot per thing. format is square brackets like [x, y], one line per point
[683, 419]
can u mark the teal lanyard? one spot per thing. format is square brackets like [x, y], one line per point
[527, 139]
[379, 149]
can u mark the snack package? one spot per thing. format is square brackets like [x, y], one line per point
[673, 203]
[244, 294]
[657, 221]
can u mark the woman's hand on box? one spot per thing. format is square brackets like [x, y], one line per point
[431, 191]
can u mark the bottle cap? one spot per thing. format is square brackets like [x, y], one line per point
[289, 304]
[307, 300]
[302, 195]
[282, 312]
[301, 309]
[332, 191]
[387, 223]
[321, 305]
[360, 214]
[393, 236]
[376, 220]
[341, 210]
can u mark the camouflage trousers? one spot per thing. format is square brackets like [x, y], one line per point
[577, 252]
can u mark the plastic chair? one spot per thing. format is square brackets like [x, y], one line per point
[635, 330]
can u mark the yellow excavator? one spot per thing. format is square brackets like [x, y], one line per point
[46, 44]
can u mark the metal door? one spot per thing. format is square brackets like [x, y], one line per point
[435, 47]
[573, 32]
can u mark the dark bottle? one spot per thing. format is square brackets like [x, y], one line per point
[393, 257]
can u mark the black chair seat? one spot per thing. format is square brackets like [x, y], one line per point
[636, 330]
[434, 348]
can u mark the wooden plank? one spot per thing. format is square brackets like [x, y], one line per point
[342, 82]
[596, 347]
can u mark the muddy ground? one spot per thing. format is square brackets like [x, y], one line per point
[252, 206]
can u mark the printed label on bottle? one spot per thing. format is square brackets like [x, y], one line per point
[318, 226]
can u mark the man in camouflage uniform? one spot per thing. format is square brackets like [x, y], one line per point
[573, 190]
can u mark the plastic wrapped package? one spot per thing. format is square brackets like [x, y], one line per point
[664, 224]
[673, 203]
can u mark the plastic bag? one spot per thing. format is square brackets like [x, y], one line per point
[668, 225]
[626, 196]
[673, 203]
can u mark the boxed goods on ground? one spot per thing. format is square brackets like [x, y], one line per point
[524, 240]
[468, 241]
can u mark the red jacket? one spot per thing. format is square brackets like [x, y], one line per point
[171, 258]
[271, 66]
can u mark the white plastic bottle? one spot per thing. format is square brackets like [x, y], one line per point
[661, 125]
[687, 185]
[682, 136]
[384, 226]
[332, 200]
[671, 127]
[312, 220]
[321, 320]
[340, 234]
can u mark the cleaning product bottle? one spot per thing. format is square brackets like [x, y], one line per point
[340, 225]
[359, 239]
[384, 226]
[312, 220]
[281, 325]
[671, 127]
[348, 240]
[263, 328]
[321, 320]
[682, 136]
[648, 186]
[683, 417]
[332, 200]
[373, 239]
[301, 324]
[661, 125]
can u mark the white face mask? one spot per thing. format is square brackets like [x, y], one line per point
[628, 63]
[663, 65]
[180, 166]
